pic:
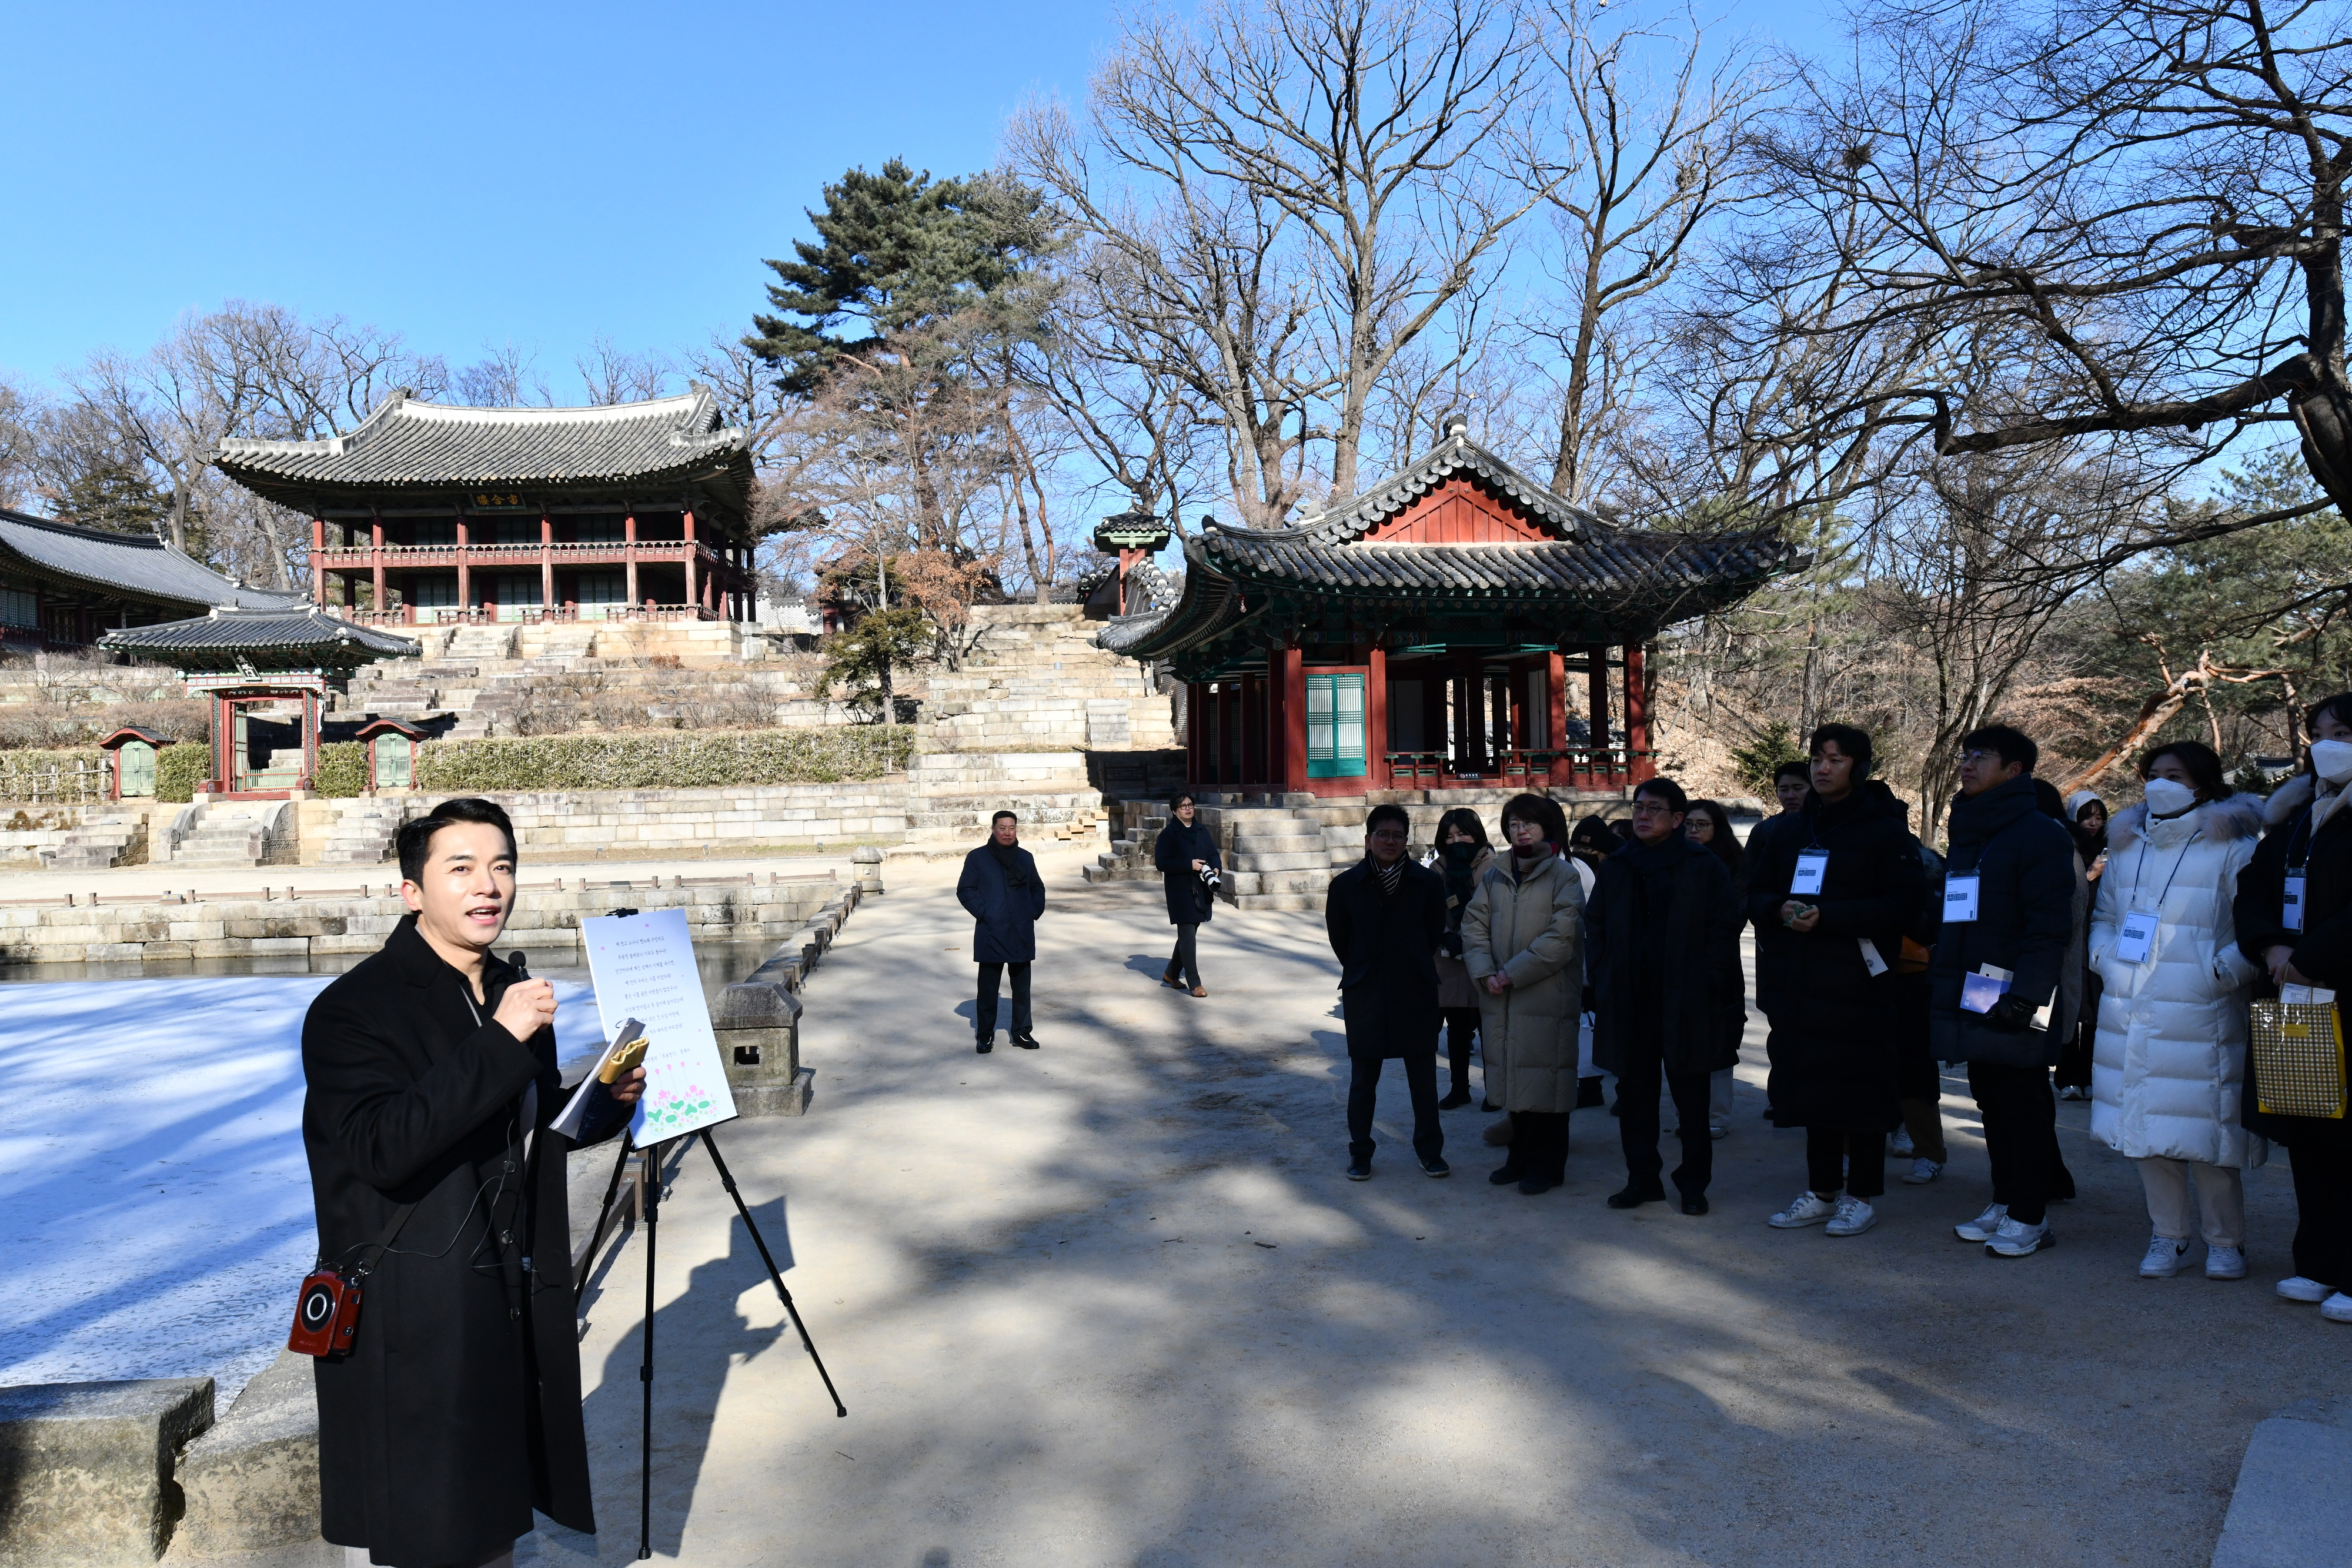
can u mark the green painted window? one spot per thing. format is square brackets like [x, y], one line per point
[1335, 725]
[136, 759]
[393, 753]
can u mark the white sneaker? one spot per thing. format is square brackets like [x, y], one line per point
[1899, 1145]
[1922, 1171]
[2167, 1255]
[1983, 1226]
[2225, 1262]
[2016, 1238]
[2336, 1309]
[2298, 1288]
[1854, 1215]
[1717, 1130]
[1807, 1210]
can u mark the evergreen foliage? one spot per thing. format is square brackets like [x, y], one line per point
[663, 760]
[180, 768]
[342, 770]
[1760, 759]
[860, 664]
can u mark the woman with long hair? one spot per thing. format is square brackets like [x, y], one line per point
[2306, 941]
[2086, 818]
[2168, 1079]
[1462, 857]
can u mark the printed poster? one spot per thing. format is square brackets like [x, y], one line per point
[643, 966]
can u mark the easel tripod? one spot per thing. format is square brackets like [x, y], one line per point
[650, 1186]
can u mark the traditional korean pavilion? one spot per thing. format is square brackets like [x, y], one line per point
[267, 673]
[431, 513]
[1456, 626]
[62, 587]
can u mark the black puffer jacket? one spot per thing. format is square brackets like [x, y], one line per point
[2323, 948]
[2028, 905]
[1663, 933]
[1834, 1022]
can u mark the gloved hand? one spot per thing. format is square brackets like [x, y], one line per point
[2011, 1014]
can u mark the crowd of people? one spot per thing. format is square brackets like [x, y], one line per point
[2121, 954]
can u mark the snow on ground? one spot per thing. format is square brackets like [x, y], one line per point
[152, 1146]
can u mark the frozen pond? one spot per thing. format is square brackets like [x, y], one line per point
[152, 1145]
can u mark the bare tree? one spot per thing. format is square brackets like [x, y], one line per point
[505, 377]
[611, 375]
[1301, 188]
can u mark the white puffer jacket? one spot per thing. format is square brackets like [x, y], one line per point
[2168, 1073]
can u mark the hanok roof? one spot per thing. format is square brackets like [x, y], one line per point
[408, 451]
[136, 567]
[300, 639]
[1459, 548]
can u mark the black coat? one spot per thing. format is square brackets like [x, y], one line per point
[1833, 1022]
[2323, 948]
[1004, 917]
[1177, 847]
[458, 1410]
[1662, 934]
[2027, 882]
[1387, 947]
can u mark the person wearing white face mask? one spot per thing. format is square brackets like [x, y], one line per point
[2293, 914]
[2168, 1066]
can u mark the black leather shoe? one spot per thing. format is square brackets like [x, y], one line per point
[1536, 1184]
[1025, 1041]
[1435, 1165]
[1454, 1101]
[1506, 1175]
[984, 1043]
[1634, 1197]
[1694, 1203]
[1359, 1169]
[1587, 1093]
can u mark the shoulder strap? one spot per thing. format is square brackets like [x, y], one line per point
[391, 1233]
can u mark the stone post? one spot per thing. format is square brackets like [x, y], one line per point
[758, 1025]
[867, 858]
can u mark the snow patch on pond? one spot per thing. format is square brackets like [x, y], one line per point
[151, 1142]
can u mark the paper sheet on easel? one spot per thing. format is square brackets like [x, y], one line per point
[642, 967]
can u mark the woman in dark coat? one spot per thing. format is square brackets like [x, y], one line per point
[425, 1456]
[1462, 858]
[1834, 1021]
[1709, 826]
[2088, 823]
[1184, 850]
[2310, 835]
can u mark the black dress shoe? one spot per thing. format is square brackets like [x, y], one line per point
[1435, 1165]
[1360, 1168]
[1634, 1197]
[1587, 1093]
[1694, 1203]
[1455, 1101]
[1536, 1184]
[1506, 1175]
[984, 1043]
[1025, 1041]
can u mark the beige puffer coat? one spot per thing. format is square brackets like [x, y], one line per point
[1533, 930]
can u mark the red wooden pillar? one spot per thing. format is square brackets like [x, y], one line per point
[375, 563]
[1597, 714]
[1637, 715]
[318, 571]
[629, 552]
[1376, 720]
[1556, 716]
[546, 565]
[465, 571]
[1294, 720]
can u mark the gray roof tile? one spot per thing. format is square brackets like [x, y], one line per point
[299, 637]
[129, 566]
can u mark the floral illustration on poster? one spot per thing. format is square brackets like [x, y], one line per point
[643, 966]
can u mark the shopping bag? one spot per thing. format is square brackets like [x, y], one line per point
[2298, 1057]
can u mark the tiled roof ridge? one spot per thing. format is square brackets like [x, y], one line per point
[1350, 518]
[83, 530]
[698, 431]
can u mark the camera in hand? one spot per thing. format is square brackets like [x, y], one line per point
[1209, 878]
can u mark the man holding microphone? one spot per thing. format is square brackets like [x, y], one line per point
[432, 1080]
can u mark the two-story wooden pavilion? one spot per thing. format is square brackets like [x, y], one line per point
[1433, 632]
[427, 512]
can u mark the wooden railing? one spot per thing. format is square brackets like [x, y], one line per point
[1514, 767]
[526, 615]
[79, 783]
[574, 553]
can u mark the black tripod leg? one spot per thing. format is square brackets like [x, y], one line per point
[604, 1215]
[645, 1367]
[774, 1274]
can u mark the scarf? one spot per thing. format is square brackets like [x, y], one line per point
[1391, 875]
[1008, 859]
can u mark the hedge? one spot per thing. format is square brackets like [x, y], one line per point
[665, 760]
[342, 770]
[180, 768]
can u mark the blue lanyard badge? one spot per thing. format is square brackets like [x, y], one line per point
[1812, 866]
[1961, 898]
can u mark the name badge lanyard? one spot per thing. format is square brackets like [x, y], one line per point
[2293, 881]
[1812, 863]
[2137, 938]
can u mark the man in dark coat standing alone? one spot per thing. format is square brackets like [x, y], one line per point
[1386, 916]
[431, 1082]
[1662, 929]
[2004, 943]
[1003, 892]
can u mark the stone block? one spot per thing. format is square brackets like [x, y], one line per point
[113, 952]
[86, 1469]
[2293, 1505]
[252, 1482]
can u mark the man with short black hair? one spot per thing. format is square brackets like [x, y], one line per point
[1003, 892]
[2009, 915]
[431, 1083]
[1386, 916]
[1663, 933]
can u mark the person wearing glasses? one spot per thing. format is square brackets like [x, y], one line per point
[2168, 1067]
[1665, 957]
[2011, 884]
[1521, 941]
[2306, 940]
[1386, 918]
[1832, 895]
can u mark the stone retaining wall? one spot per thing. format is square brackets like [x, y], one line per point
[666, 821]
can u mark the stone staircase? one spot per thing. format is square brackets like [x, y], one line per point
[1135, 832]
[1277, 857]
[237, 833]
[117, 838]
[479, 641]
[955, 793]
[365, 834]
[1034, 678]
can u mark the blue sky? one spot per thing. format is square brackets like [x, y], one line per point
[474, 175]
